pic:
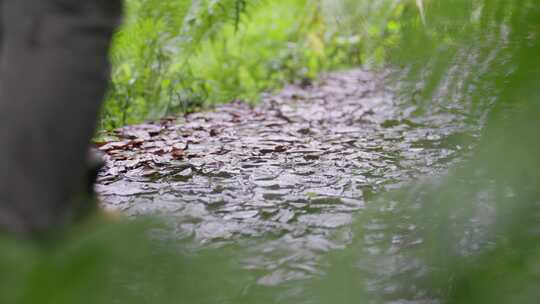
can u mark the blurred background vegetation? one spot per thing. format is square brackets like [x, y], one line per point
[180, 56]
[476, 236]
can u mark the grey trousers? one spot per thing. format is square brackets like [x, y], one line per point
[53, 76]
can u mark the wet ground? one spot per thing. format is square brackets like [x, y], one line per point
[286, 176]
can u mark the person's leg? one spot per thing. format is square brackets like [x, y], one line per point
[53, 75]
[1, 25]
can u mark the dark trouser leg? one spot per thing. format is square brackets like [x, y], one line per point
[53, 75]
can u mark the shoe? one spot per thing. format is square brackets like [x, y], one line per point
[86, 202]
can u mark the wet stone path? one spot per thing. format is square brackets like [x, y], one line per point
[293, 169]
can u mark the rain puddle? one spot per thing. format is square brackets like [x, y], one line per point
[286, 177]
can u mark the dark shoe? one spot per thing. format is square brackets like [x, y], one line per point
[86, 201]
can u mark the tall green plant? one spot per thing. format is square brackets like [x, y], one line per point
[151, 55]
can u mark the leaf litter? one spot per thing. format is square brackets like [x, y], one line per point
[296, 167]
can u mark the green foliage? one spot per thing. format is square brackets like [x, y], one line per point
[471, 236]
[151, 53]
[101, 262]
[159, 58]
[180, 56]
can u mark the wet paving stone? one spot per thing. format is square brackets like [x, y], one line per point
[295, 167]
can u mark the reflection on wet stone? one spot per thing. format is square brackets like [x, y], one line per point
[294, 168]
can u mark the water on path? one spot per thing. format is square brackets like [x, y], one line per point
[286, 176]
